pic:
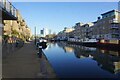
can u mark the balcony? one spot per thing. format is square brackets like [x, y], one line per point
[115, 32]
[22, 23]
[114, 27]
[8, 10]
[114, 21]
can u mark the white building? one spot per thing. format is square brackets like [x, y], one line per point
[45, 32]
[65, 33]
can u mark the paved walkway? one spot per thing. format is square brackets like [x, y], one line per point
[25, 63]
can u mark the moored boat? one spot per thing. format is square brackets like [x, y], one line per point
[90, 42]
[42, 43]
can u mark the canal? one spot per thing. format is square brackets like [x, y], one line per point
[75, 61]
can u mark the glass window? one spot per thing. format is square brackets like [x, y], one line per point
[115, 36]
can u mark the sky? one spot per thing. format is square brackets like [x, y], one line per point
[57, 15]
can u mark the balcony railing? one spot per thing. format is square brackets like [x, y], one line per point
[6, 5]
[114, 26]
[114, 21]
[115, 32]
[22, 23]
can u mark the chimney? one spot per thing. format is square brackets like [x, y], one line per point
[98, 18]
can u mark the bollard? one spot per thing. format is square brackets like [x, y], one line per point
[40, 52]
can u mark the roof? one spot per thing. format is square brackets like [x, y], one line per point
[110, 12]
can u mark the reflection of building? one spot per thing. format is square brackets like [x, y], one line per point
[107, 61]
[114, 53]
[78, 50]
[68, 49]
[117, 67]
[83, 52]
[65, 47]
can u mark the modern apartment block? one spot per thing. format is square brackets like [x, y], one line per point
[7, 12]
[12, 23]
[45, 32]
[81, 32]
[107, 27]
[86, 32]
[65, 33]
[17, 28]
[78, 30]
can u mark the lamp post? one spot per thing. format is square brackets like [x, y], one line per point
[35, 35]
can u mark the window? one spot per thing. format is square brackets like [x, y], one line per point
[115, 36]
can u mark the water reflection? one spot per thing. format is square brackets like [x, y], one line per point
[70, 60]
[50, 45]
[107, 60]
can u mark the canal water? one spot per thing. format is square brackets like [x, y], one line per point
[75, 61]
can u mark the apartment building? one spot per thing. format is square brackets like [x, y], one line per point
[82, 31]
[17, 28]
[107, 27]
[87, 30]
[44, 32]
[7, 12]
[65, 33]
[78, 30]
[28, 32]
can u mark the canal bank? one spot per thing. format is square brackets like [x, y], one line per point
[47, 70]
[25, 63]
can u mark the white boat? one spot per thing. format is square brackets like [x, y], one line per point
[42, 40]
[90, 42]
[42, 43]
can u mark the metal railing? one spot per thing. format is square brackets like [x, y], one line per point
[114, 31]
[6, 5]
[115, 26]
[114, 21]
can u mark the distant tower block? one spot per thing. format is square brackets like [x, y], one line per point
[44, 32]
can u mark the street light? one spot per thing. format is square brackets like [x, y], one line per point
[35, 35]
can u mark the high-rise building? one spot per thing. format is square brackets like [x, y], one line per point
[45, 32]
[41, 32]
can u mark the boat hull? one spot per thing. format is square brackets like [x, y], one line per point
[89, 44]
